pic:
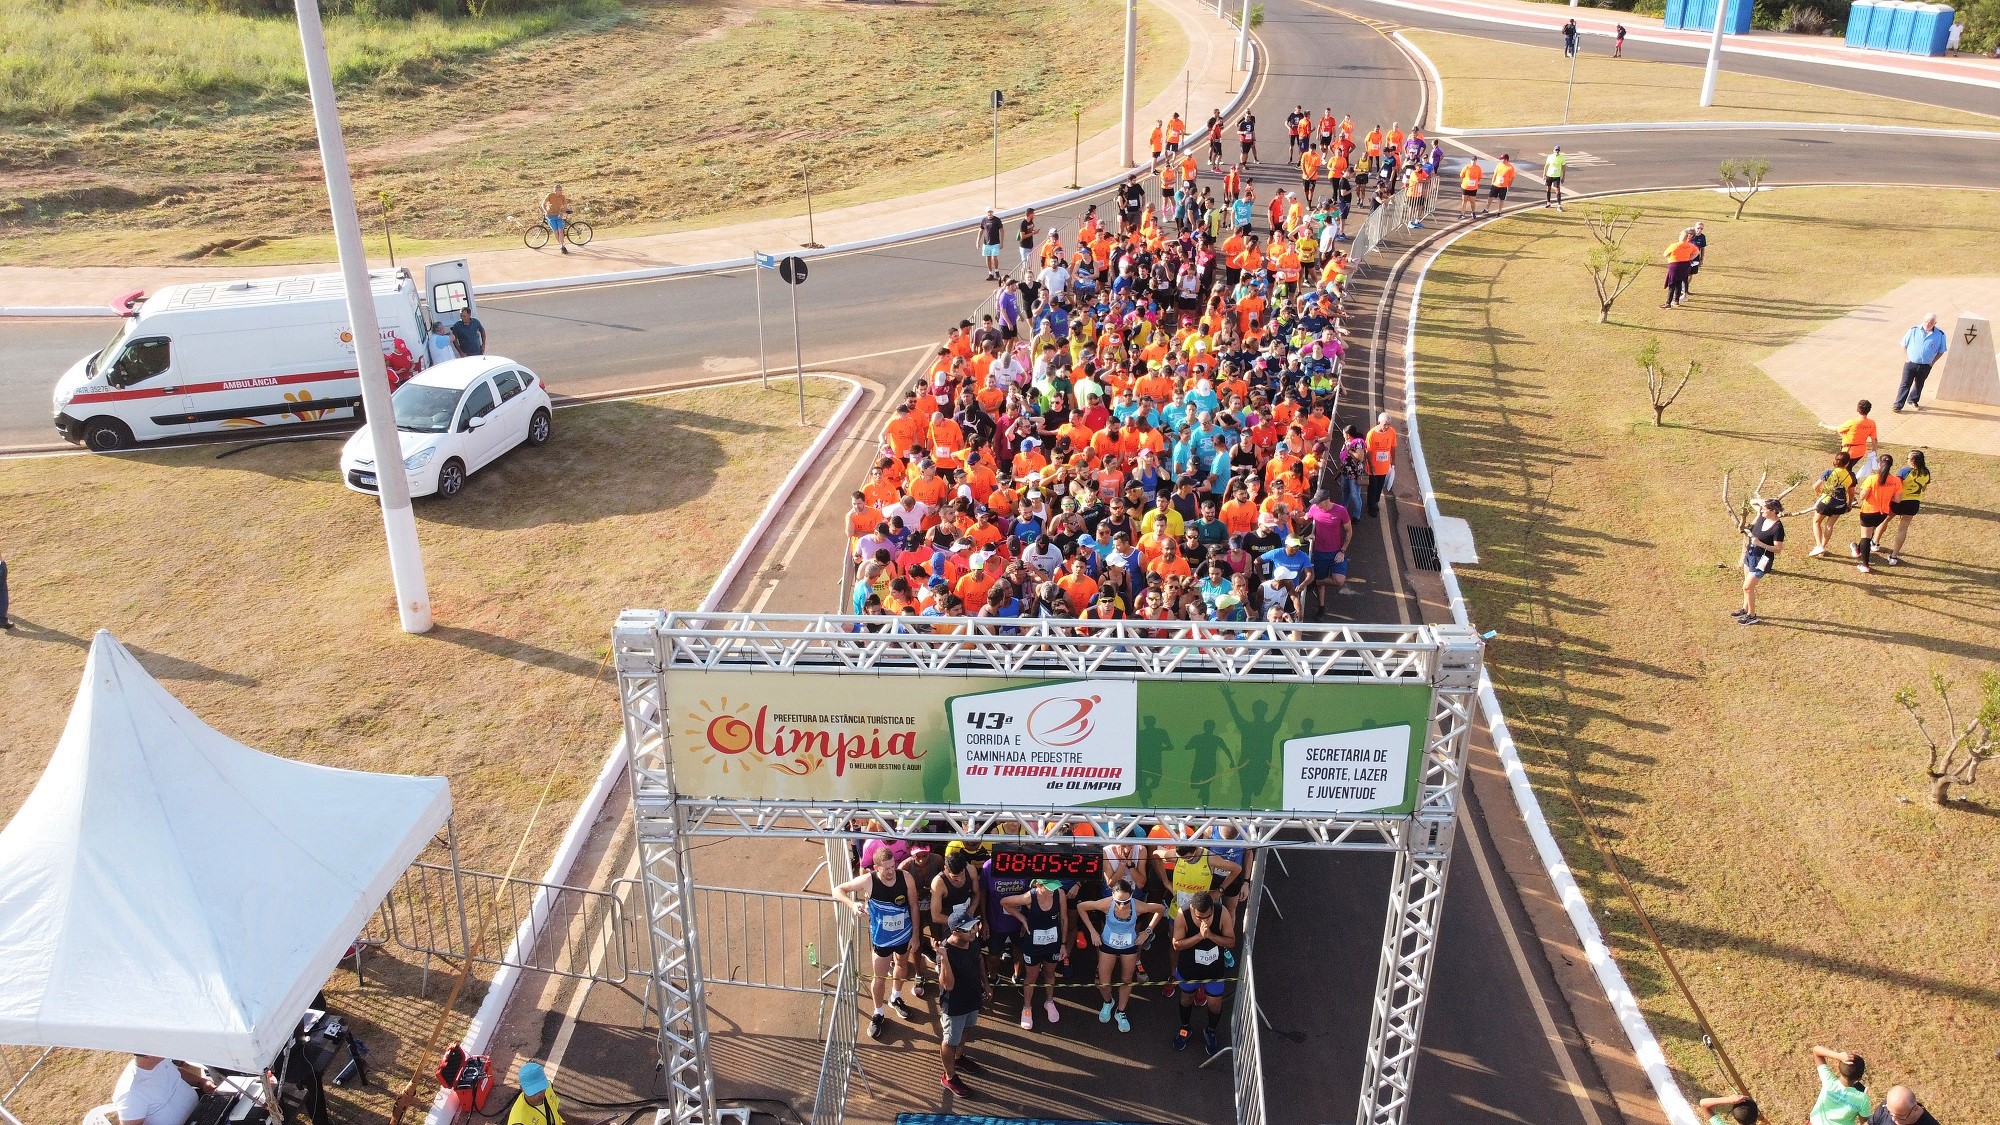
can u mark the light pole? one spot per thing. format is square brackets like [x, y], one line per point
[1714, 55]
[406, 563]
[1129, 121]
[998, 99]
[1570, 90]
[812, 239]
[1076, 152]
[1243, 38]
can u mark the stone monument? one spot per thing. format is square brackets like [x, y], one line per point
[1969, 372]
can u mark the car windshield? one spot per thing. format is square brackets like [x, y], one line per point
[424, 409]
[111, 349]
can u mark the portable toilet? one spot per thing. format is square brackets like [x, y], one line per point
[1880, 24]
[1902, 26]
[1699, 15]
[1933, 33]
[1737, 22]
[1677, 10]
[1857, 21]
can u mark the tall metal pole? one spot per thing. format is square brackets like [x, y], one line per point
[996, 152]
[1129, 121]
[812, 238]
[1714, 55]
[798, 354]
[406, 562]
[1243, 38]
[1076, 152]
[1570, 91]
[763, 363]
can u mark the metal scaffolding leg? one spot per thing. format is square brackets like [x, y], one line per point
[663, 873]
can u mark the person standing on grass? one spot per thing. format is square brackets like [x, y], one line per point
[1552, 179]
[963, 988]
[1569, 40]
[1697, 234]
[7, 622]
[1678, 256]
[1875, 494]
[1763, 538]
[1843, 1099]
[1835, 490]
[1736, 1109]
[1916, 480]
[1858, 434]
[1923, 346]
[1618, 52]
[990, 231]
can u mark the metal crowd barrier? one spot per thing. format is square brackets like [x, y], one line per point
[839, 1066]
[584, 932]
[768, 939]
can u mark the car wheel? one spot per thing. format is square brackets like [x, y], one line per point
[106, 434]
[451, 478]
[538, 428]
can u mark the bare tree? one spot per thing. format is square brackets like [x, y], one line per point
[1612, 268]
[1956, 760]
[1742, 514]
[1743, 179]
[1657, 379]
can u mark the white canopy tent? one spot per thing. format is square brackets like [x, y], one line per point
[171, 891]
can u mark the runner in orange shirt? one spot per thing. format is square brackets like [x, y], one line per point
[1503, 178]
[1176, 130]
[1468, 188]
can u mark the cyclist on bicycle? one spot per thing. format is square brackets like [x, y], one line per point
[555, 212]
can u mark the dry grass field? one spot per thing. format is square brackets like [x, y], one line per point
[1758, 784]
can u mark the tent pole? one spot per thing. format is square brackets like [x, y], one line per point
[458, 888]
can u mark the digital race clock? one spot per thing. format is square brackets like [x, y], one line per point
[1048, 862]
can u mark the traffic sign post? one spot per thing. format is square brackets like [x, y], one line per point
[764, 262]
[793, 270]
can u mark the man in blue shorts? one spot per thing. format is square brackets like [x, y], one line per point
[555, 212]
[1331, 525]
[1201, 934]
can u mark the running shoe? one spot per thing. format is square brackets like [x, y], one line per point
[1104, 1013]
[1891, 560]
[1123, 1023]
[1816, 552]
[1181, 1039]
[1748, 619]
[1738, 613]
[1854, 550]
[956, 1087]
[902, 1009]
[875, 1026]
[1209, 1040]
[1863, 568]
[1049, 1008]
[1027, 1019]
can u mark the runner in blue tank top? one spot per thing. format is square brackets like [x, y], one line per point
[890, 911]
[1126, 926]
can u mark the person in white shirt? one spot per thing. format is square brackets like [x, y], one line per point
[438, 346]
[158, 1091]
[1006, 372]
[1054, 278]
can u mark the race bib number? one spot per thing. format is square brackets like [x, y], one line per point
[1118, 941]
[1206, 956]
[894, 923]
[1050, 936]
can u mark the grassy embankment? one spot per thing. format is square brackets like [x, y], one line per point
[1759, 784]
[256, 588]
[654, 115]
[1493, 85]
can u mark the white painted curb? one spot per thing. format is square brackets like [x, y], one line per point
[1728, 126]
[1730, 46]
[508, 977]
[1644, 1044]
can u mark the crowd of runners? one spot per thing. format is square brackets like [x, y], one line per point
[1080, 919]
[1145, 426]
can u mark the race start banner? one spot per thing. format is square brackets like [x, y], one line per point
[1338, 749]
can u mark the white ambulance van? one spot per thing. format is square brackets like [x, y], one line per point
[245, 355]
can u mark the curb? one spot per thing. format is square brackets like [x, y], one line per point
[1729, 46]
[1645, 1046]
[507, 977]
[659, 273]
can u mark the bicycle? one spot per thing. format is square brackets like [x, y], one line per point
[575, 231]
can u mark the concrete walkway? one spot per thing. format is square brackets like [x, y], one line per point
[1828, 50]
[1858, 357]
[1210, 84]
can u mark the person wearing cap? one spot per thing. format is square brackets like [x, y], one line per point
[1291, 562]
[537, 1103]
[963, 988]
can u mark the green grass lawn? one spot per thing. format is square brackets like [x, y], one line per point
[257, 589]
[728, 102]
[1491, 85]
[1759, 784]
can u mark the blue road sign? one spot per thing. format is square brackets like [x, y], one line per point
[767, 261]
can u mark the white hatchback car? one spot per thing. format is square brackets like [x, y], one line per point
[454, 420]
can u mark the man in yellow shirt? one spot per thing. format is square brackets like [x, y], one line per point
[537, 1103]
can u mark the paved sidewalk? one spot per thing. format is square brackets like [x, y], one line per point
[1857, 357]
[1210, 85]
[1829, 50]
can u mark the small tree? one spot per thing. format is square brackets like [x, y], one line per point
[1743, 179]
[1956, 760]
[1612, 268]
[1657, 379]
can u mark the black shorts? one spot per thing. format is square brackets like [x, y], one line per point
[1173, 146]
[1470, 194]
[892, 950]
[1555, 182]
[1826, 509]
[1905, 507]
[1874, 519]
[1215, 148]
[1041, 954]
[1496, 192]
